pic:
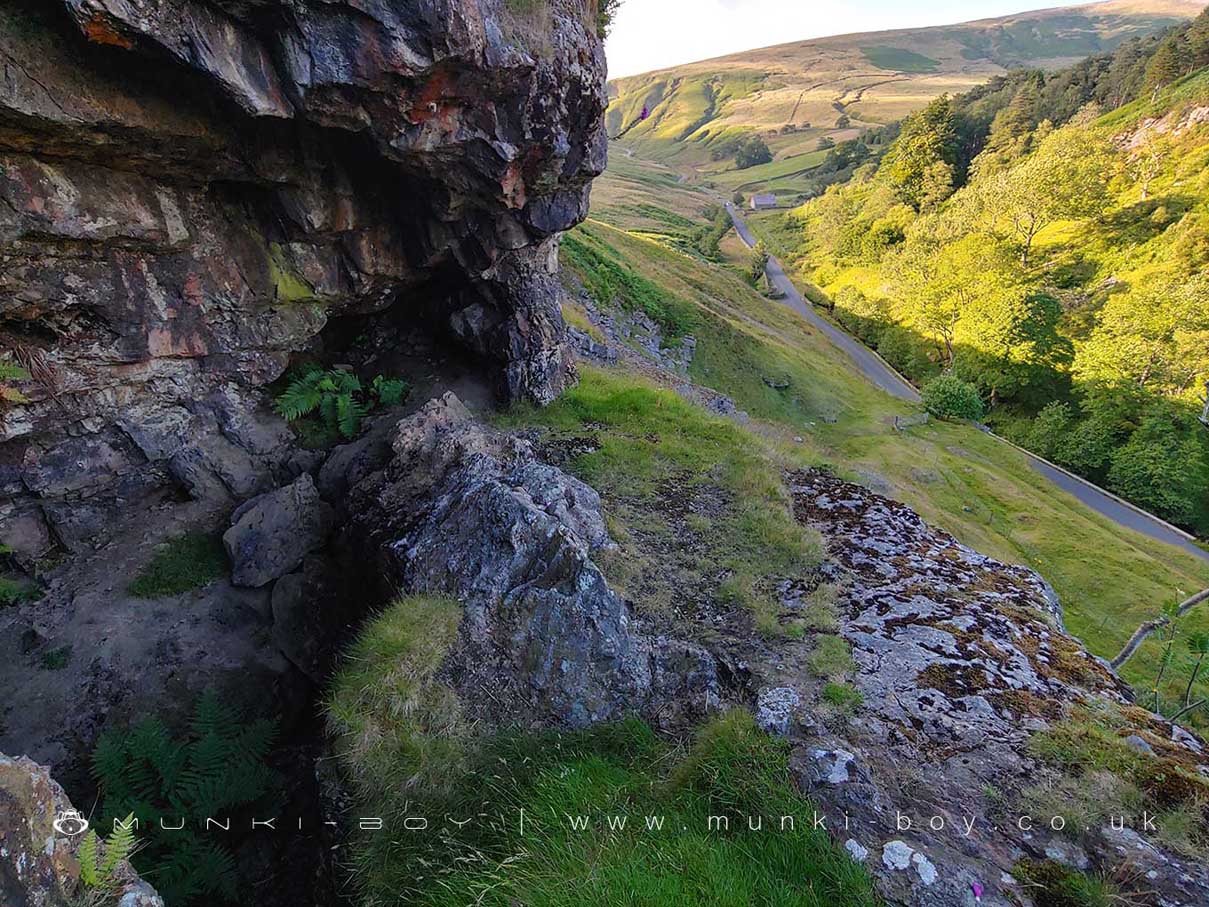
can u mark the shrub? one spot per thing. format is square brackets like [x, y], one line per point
[15, 591]
[338, 398]
[186, 562]
[214, 769]
[948, 397]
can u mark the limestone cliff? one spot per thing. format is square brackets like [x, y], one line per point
[191, 191]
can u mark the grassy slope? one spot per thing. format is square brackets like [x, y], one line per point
[982, 491]
[408, 752]
[872, 78]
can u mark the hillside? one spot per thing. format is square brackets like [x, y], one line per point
[795, 95]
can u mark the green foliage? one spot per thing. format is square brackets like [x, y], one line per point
[609, 282]
[758, 262]
[56, 659]
[337, 398]
[98, 868]
[948, 397]
[919, 166]
[843, 696]
[1161, 468]
[216, 768]
[15, 591]
[183, 563]
[9, 374]
[751, 151]
[606, 12]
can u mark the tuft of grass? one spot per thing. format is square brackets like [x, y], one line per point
[181, 564]
[843, 696]
[398, 728]
[56, 659]
[831, 658]
[15, 591]
[1051, 884]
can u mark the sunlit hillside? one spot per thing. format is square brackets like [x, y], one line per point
[794, 95]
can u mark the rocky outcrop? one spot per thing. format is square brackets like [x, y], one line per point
[40, 834]
[467, 512]
[960, 659]
[192, 191]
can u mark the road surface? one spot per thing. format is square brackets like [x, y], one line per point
[876, 370]
[871, 365]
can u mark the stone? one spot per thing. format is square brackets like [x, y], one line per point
[39, 844]
[272, 533]
[856, 851]
[1140, 744]
[470, 513]
[775, 709]
[896, 855]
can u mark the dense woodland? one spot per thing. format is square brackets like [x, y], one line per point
[1044, 239]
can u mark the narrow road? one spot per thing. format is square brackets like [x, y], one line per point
[873, 367]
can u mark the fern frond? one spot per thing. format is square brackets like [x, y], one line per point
[301, 397]
[389, 391]
[90, 876]
[118, 846]
[349, 414]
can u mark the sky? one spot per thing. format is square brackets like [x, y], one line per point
[653, 34]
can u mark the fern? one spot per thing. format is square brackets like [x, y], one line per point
[90, 876]
[99, 872]
[337, 398]
[216, 767]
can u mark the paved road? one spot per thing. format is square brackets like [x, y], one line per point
[869, 363]
[876, 370]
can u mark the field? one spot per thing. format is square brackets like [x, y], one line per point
[958, 478]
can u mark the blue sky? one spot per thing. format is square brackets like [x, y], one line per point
[652, 34]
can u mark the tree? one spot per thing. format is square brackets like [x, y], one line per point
[1161, 467]
[1147, 161]
[928, 138]
[825, 143]
[1155, 338]
[1198, 646]
[751, 151]
[948, 397]
[1063, 179]
[738, 198]
[1167, 65]
[758, 262]
[1009, 338]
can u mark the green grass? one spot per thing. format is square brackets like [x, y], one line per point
[15, 591]
[56, 659]
[391, 716]
[181, 564]
[1104, 775]
[664, 467]
[1051, 884]
[843, 696]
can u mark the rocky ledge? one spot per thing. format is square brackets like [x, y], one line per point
[960, 660]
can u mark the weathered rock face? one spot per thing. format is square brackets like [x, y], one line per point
[38, 864]
[462, 511]
[959, 659]
[193, 190]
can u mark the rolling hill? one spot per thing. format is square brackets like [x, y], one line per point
[796, 94]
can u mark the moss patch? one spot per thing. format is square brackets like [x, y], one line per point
[179, 565]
